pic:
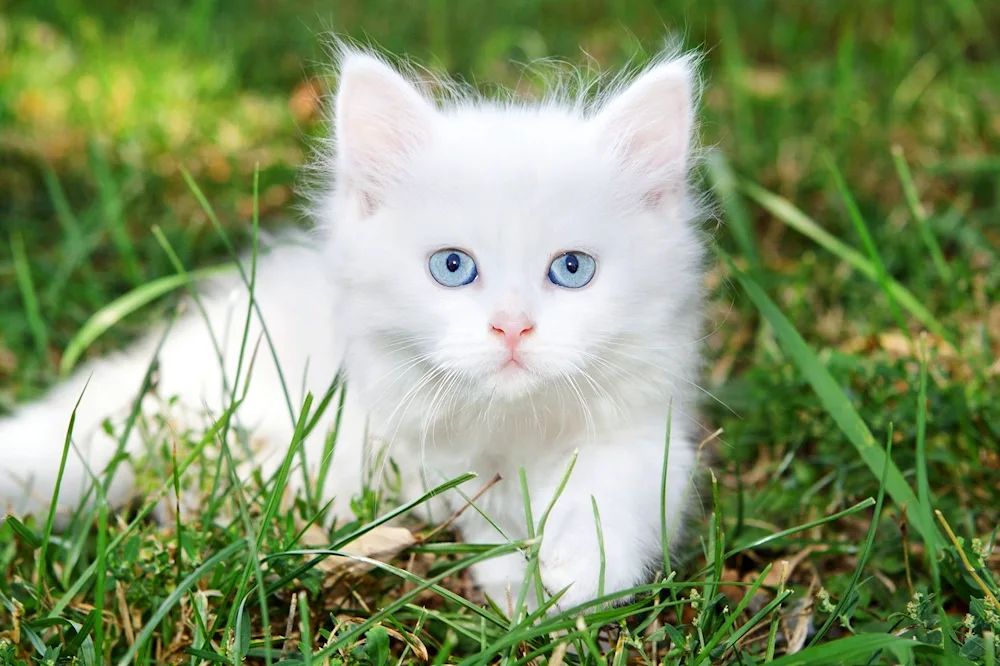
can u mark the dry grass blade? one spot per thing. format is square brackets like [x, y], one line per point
[382, 543]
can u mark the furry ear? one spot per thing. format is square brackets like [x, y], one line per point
[650, 124]
[380, 119]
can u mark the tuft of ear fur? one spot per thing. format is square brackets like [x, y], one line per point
[650, 124]
[381, 118]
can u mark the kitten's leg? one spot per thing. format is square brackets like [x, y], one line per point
[624, 477]
[500, 577]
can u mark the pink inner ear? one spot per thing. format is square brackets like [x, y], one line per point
[650, 123]
[381, 119]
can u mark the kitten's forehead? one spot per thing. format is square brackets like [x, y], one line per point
[516, 186]
[509, 168]
[516, 144]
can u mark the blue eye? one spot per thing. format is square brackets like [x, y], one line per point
[572, 270]
[452, 268]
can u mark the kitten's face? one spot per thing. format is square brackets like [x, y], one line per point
[511, 254]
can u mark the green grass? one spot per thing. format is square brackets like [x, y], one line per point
[854, 308]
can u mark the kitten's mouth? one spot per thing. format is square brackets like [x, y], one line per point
[513, 378]
[511, 364]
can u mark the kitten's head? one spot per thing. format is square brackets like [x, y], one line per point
[493, 252]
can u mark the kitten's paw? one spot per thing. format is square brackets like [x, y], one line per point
[574, 572]
[500, 578]
[574, 565]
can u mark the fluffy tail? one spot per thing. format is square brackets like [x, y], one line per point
[291, 296]
[33, 439]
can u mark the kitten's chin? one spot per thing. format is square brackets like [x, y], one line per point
[512, 380]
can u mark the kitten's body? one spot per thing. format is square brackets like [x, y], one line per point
[594, 370]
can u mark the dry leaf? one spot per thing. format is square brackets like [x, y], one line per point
[799, 616]
[734, 592]
[382, 543]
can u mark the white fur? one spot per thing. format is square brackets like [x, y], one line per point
[514, 184]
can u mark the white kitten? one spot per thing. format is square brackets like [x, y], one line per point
[504, 284]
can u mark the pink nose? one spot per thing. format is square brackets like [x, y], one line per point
[512, 328]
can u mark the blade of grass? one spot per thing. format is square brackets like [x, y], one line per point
[566, 621]
[33, 312]
[831, 395]
[881, 274]
[102, 320]
[959, 547]
[330, 443]
[786, 212]
[54, 504]
[704, 655]
[756, 619]
[772, 634]
[931, 540]
[410, 577]
[557, 494]
[304, 630]
[600, 545]
[250, 283]
[84, 577]
[102, 570]
[135, 412]
[221, 232]
[359, 629]
[664, 530]
[178, 265]
[534, 564]
[757, 543]
[558, 648]
[174, 598]
[243, 515]
[78, 246]
[404, 509]
[460, 626]
[82, 635]
[23, 532]
[724, 184]
[866, 550]
[852, 650]
[532, 575]
[274, 500]
[920, 214]
[361, 531]
[112, 209]
[588, 639]
[717, 543]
